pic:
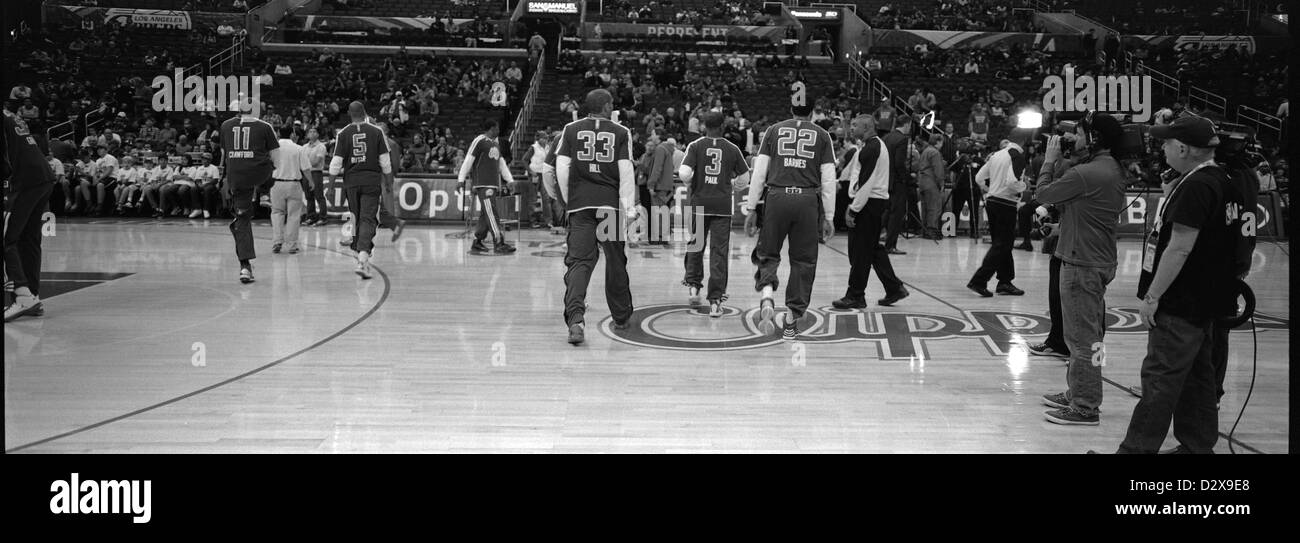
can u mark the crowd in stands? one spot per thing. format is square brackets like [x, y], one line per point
[957, 15]
[1165, 17]
[720, 12]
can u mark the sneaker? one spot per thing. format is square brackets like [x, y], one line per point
[207, 214]
[1009, 290]
[1070, 417]
[621, 325]
[576, 333]
[715, 309]
[895, 251]
[790, 330]
[478, 247]
[196, 214]
[345, 242]
[246, 274]
[276, 248]
[1026, 246]
[557, 231]
[503, 248]
[979, 289]
[1057, 400]
[23, 305]
[766, 311]
[1043, 349]
[849, 303]
[294, 250]
[693, 295]
[891, 299]
[397, 230]
[264, 201]
[363, 265]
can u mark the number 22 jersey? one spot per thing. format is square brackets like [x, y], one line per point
[797, 149]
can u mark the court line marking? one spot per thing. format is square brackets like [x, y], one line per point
[1122, 388]
[382, 299]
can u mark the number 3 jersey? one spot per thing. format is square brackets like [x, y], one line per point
[360, 146]
[797, 149]
[714, 163]
[595, 146]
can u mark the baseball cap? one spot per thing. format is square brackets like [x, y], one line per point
[1191, 130]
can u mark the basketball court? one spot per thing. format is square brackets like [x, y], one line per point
[150, 345]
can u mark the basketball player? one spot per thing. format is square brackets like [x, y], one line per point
[361, 155]
[489, 171]
[30, 183]
[593, 169]
[250, 146]
[719, 162]
[800, 160]
[869, 187]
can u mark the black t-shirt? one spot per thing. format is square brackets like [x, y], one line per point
[1208, 201]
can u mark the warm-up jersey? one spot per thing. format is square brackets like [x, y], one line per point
[715, 162]
[360, 145]
[595, 146]
[246, 144]
[26, 165]
[797, 149]
[487, 162]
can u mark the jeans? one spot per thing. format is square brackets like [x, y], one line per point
[286, 208]
[1055, 336]
[316, 203]
[580, 259]
[717, 237]
[1178, 384]
[931, 204]
[1002, 228]
[1083, 291]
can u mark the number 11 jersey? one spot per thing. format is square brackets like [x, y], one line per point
[595, 146]
[797, 150]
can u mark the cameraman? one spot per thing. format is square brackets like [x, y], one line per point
[1090, 196]
[1188, 272]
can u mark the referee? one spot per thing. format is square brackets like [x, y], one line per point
[799, 158]
[30, 181]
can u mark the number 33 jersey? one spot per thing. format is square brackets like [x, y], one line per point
[595, 146]
[797, 150]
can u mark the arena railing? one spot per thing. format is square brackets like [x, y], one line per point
[1160, 78]
[1204, 100]
[517, 136]
[228, 56]
[1261, 121]
[60, 131]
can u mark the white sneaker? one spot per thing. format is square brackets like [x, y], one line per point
[196, 214]
[23, 305]
[694, 295]
[766, 314]
[363, 265]
[207, 214]
[715, 309]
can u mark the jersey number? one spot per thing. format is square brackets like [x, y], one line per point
[714, 167]
[790, 142]
[241, 145]
[590, 151]
[358, 144]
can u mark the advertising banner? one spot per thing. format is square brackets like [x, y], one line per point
[944, 39]
[157, 18]
[425, 198]
[705, 32]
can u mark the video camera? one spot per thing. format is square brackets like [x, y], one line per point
[1133, 142]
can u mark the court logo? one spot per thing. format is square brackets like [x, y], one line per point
[896, 335]
[1106, 94]
[232, 93]
[92, 497]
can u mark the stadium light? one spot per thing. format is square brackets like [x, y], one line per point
[1029, 119]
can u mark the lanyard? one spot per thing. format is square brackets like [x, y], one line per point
[1160, 213]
